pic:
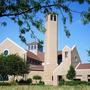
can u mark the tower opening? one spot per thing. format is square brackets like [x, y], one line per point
[54, 17]
[51, 17]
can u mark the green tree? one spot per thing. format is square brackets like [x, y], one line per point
[12, 65]
[25, 13]
[3, 67]
[71, 73]
[16, 65]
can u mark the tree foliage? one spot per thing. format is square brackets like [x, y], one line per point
[88, 51]
[16, 65]
[36, 77]
[71, 73]
[3, 66]
[12, 65]
[24, 13]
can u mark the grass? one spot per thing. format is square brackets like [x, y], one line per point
[38, 87]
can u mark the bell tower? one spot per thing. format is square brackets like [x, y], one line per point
[51, 47]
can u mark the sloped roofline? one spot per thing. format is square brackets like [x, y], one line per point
[8, 39]
[83, 66]
[77, 66]
[74, 46]
[66, 47]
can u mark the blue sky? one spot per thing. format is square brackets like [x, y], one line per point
[80, 34]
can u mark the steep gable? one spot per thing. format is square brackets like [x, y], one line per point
[75, 59]
[12, 47]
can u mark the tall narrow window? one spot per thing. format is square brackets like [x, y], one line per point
[54, 17]
[66, 54]
[35, 47]
[76, 58]
[51, 17]
[31, 47]
[52, 78]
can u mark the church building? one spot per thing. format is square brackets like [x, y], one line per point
[52, 65]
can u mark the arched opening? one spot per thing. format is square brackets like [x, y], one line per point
[54, 17]
[51, 17]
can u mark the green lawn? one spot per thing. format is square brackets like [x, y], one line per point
[34, 87]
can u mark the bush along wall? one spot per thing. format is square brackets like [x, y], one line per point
[38, 80]
[73, 83]
[25, 82]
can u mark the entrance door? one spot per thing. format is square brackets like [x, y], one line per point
[59, 78]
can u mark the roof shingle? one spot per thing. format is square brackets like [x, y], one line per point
[84, 66]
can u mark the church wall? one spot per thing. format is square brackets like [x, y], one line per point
[83, 74]
[33, 73]
[63, 68]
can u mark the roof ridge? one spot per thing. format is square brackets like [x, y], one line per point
[13, 43]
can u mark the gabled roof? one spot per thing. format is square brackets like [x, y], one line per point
[83, 66]
[66, 47]
[39, 56]
[32, 55]
[8, 39]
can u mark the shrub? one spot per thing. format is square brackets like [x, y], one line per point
[71, 73]
[61, 82]
[25, 82]
[41, 83]
[37, 77]
[16, 81]
[73, 83]
[5, 84]
[21, 81]
[29, 80]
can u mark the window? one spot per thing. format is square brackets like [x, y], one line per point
[35, 47]
[60, 78]
[76, 58]
[54, 17]
[52, 78]
[6, 52]
[66, 54]
[31, 47]
[51, 17]
[59, 59]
